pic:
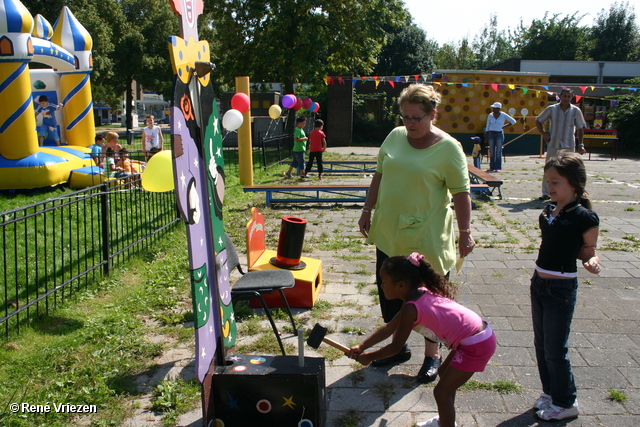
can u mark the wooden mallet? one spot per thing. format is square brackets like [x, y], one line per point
[317, 336]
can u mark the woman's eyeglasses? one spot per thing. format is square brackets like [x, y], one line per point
[413, 119]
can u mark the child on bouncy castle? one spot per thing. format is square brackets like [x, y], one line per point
[49, 125]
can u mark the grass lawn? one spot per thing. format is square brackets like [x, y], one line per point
[92, 350]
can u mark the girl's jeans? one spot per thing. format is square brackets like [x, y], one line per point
[495, 145]
[552, 305]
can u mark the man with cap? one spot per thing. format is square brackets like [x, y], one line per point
[494, 135]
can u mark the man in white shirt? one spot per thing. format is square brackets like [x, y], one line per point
[565, 121]
[495, 136]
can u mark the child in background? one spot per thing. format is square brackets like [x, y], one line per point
[318, 143]
[299, 147]
[151, 137]
[112, 142]
[123, 166]
[569, 231]
[49, 124]
[96, 150]
[429, 309]
[477, 151]
[109, 163]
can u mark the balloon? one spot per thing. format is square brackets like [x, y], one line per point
[158, 174]
[317, 107]
[289, 101]
[306, 103]
[312, 108]
[241, 102]
[275, 111]
[298, 105]
[232, 120]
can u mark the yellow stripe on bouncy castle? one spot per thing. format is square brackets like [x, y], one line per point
[75, 86]
[17, 119]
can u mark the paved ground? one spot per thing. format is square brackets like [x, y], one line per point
[605, 340]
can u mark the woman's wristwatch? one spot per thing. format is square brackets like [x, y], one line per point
[465, 230]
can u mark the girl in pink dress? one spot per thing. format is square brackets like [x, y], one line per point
[429, 309]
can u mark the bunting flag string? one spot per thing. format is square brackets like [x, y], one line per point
[437, 79]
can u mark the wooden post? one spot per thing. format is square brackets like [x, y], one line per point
[245, 151]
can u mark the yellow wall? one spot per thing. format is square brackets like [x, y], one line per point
[465, 109]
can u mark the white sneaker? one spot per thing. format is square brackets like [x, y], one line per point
[554, 412]
[543, 401]
[433, 422]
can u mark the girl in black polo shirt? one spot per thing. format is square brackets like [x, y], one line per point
[569, 231]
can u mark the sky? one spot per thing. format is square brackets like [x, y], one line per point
[450, 22]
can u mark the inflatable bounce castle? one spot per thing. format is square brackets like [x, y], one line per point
[66, 48]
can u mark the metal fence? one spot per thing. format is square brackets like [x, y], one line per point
[53, 249]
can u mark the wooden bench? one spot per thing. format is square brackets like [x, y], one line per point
[319, 193]
[478, 176]
[348, 166]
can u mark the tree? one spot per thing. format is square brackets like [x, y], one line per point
[552, 39]
[140, 50]
[456, 57]
[407, 52]
[625, 117]
[492, 46]
[297, 40]
[615, 35]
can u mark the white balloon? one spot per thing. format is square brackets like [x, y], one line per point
[232, 120]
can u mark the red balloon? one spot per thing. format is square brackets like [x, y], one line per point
[298, 105]
[317, 107]
[306, 103]
[241, 102]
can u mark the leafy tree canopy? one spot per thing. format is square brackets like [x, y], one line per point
[491, 45]
[286, 40]
[407, 51]
[555, 38]
[615, 35]
[625, 117]
[458, 56]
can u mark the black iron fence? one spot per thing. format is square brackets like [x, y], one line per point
[53, 249]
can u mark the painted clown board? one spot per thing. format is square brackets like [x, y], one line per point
[199, 178]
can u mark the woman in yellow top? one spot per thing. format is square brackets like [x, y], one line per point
[419, 168]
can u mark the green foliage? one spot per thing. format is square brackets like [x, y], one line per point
[456, 56]
[492, 46]
[91, 350]
[625, 118]
[501, 386]
[615, 34]
[407, 52]
[617, 396]
[175, 395]
[289, 40]
[374, 116]
[552, 38]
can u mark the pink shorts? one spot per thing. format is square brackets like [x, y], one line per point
[474, 352]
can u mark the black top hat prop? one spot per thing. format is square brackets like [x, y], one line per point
[290, 244]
